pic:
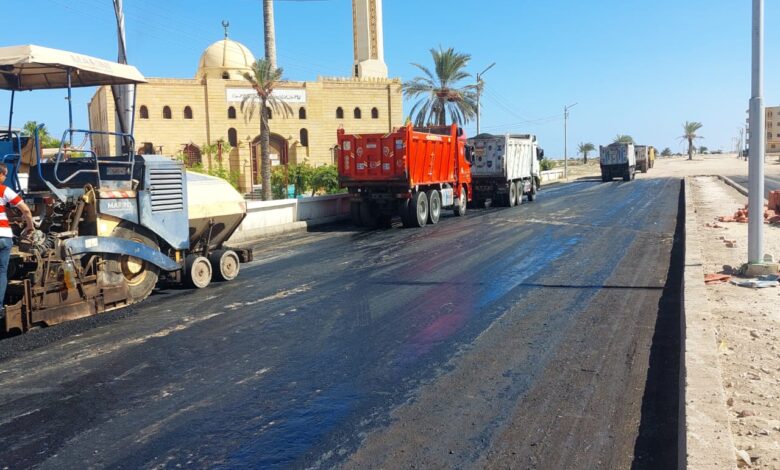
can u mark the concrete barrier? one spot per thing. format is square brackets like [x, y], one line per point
[704, 439]
[551, 175]
[266, 218]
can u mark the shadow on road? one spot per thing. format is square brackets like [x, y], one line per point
[656, 445]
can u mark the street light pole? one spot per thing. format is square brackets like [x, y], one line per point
[479, 91]
[565, 139]
[757, 134]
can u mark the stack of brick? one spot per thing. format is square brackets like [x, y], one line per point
[771, 211]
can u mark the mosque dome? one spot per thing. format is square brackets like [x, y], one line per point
[226, 59]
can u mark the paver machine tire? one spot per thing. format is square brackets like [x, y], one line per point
[197, 271]
[225, 264]
[139, 275]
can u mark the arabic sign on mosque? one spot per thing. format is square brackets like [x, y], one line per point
[290, 96]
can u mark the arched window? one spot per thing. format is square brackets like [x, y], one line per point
[166, 112]
[304, 137]
[232, 137]
[191, 155]
[225, 76]
[357, 113]
[187, 112]
[339, 113]
[302, 113]
[143, 112]
[269, 113]
[232, 112]
[374, 113]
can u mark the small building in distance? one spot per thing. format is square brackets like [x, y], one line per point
[772, 130]
[189, 118]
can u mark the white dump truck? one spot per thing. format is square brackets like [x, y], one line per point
[505, 168]
[617, 159]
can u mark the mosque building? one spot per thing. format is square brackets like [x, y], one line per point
[189, 117]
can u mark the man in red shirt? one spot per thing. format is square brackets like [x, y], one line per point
[9, 196]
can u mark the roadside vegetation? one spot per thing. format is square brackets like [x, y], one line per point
[690, 134]
[305, 179]
[584, 149]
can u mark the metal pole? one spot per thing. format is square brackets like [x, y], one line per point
[757, 136]
[479, 92]
[11, 113]
[566, 139]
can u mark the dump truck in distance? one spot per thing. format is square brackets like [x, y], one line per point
[411, 172]
[645, 157]
[617, 159]
[505, 168]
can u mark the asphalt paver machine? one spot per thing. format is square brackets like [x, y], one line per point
[108, 227]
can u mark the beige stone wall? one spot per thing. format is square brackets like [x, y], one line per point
[773, 129]
[210, 122]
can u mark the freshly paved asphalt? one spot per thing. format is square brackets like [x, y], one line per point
[542, 336]
[771, 183]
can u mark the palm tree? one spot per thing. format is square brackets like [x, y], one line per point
[584, 149]
[439, 94]
[623, 139]
[268, 32]
[263, 78]
[690, 129]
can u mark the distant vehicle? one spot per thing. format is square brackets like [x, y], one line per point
[505, 168]
[617, 159]
[645, 157]
[411, 172]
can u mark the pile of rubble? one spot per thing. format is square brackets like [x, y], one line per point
[771, 211]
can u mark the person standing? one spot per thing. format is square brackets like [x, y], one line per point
[9, 196]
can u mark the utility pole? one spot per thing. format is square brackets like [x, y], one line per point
[479, 91]
[124, 95]
[757, 143]
[565, 139]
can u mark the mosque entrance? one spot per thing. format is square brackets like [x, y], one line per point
[279, 150]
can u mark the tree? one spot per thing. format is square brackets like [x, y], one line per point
[623, 139]
[263, 78]
[439, 94]
[667, 152]
[703, 149]
[690, 135]
[46, 140]
[584, 149]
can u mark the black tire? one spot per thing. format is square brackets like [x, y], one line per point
[225, 264]
[197, 271]
[511, 197]
[139, 275]
[627, 175]
[434, 206]
[461, 204]
[354, 212]
[532, 192]
[418, 209]
[404, 210]
[368, 215]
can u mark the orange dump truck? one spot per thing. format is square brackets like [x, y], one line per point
[411, 172]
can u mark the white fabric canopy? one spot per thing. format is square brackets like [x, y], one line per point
[35, 67]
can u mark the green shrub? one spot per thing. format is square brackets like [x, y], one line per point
[546, 164]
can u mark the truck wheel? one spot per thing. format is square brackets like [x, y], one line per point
[434, 206]
[405, 211]
[354, 212]
[627, 175]
[512, 196]
[197, 271]
[461, 203]
[368, 216]
[532, 192]
[139, 275]
[418, 208]
[227, 264]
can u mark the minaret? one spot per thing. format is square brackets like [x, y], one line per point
[368, 39]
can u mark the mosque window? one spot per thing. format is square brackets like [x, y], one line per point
[225, 76]
[192, 155]
[144, 112]
[357, 113]
[166, 112]
[339, 113]
[302, 113]
[232, 112]
[304, 137]
[232, 137]
[187, 112]
[269, 113]
[374, 113]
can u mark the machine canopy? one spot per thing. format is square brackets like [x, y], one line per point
[35, 68]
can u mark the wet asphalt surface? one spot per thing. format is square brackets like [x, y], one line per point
[542, 336]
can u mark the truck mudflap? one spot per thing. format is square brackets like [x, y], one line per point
[120, 246]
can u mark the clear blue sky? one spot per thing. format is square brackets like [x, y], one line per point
[639, 67]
